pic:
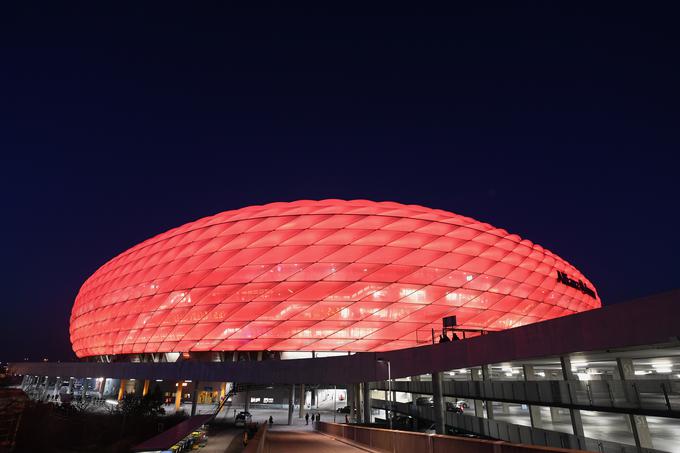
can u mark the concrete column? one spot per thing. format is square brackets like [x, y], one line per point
[102, 388]
[43, 392]
[194, 398]
[350, 399]
[367, 403]
[574, 414]
[357, 403]
[534, 411]
[71, 381]
[313, 402]
[246, 395]
[554, 414]
[291, 404]
[638, 423]
[223, 390]
[83, 389]
[178, 395]
[121, 389]
[479, 408]
[439, 407]
[57, 387]
[145, 389]
[356, 407]
[301, 414]
[486, 376]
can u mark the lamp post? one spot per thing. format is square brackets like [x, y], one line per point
[389, 389]
[335, 401]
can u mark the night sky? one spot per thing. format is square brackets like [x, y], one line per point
[558, 123]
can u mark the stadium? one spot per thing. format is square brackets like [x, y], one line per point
[329, 276]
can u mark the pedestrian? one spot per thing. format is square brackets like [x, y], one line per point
[318, 417]
[346, 418]
[306, 419]
[271, 420]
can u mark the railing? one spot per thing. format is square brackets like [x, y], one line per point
[511, 432]
[394, 441]
[662, 397]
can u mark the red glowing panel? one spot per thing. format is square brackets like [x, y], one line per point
[318, 275]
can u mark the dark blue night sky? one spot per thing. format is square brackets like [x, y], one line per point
[558, 123]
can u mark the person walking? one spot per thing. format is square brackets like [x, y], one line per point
[318, 416]
[271, 421]
[306, 419]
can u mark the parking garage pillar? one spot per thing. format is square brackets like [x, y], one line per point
[291, 404]
[83, 389]
[575, 414]
[534, 411]
[46, 383]
[102, 387]
[145, 389]
[57, 387]
[302, 401]
[358, 406]
[71, 381]
[223, 390]
[194, 398]
[555, 414]
[439, 414]
[638, 423]
[178, 395]
[367, 402]
[246, 396]
[479, 407]
[486, 376]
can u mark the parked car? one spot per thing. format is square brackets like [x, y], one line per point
[453, 407]
[462, 404]
[424, 401]
[343, 410]
[242, 418]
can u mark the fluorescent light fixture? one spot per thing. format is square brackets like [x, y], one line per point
[662, 365]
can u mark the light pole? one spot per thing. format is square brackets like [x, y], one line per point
[335, 401]
[389, 389]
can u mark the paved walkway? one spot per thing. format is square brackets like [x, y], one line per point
[281, 440]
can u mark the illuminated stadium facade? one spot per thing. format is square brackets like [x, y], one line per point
[327, 275]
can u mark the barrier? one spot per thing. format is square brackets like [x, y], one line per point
[257, 443]
[393, 441]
